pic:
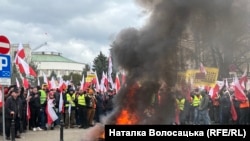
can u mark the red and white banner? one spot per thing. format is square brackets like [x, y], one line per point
[51, 113]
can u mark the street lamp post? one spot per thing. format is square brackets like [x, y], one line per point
[61, 127]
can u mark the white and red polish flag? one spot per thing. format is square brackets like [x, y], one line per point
[117, 83]
[243, 80]
[45, 79]
[202, 69]
[51, 114]
[61, 105]
[104, 81]
[62, 85]
[20, 53]
[213, 92]
[53, 83]
[238, 90]
[25, 82]
[25, 68]
[82, 83]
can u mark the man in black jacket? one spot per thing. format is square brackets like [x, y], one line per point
[12, 111]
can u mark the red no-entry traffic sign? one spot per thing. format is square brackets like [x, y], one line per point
[4, 45]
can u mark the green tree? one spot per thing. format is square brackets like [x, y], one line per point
[85, 70]
[100, 64]
[53, 74]
[15, 74]
[75, 78]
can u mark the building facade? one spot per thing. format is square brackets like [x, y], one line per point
[48, 60]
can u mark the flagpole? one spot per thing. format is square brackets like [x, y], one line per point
[28, 120]
[61, 127]
[69, 110]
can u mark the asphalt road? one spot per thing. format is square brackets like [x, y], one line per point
[75, 134]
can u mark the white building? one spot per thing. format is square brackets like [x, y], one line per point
[47, 60]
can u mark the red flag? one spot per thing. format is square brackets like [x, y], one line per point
[20, 53]
[243, 80]
[233, 111]
[25, 68]
[50, 112]
[213, 92]
[238, 91]
[25, 83]
[86, 85]
[28, 107]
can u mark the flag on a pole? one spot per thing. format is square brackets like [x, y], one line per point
[45, 79]
[117, 83]
[233, 110]
[243, 80]
[82, 83]
[51, 114]
[97, 86]
[25, 83]
[238, 90]
[53, 83]
[25, 68]
[61, 106]
[20, 53]
[202, 69]
[213, 92]
[17, 83]
[38, 81]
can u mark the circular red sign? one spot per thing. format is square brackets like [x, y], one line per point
[4, 45]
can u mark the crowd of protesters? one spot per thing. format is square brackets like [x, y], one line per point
[202, 109]
[86, 108]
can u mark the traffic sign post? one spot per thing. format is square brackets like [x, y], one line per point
[4, 45]
[5, 71]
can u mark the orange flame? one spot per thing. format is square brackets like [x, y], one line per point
[102, 136]
[126, 118]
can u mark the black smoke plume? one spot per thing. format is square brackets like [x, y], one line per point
[150, 55]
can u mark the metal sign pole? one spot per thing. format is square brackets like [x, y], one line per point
[3, 113]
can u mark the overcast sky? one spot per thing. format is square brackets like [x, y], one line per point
[79, 29]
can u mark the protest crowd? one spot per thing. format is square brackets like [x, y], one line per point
[78, 108]
[41, 109]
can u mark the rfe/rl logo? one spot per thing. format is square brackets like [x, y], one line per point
[5, 66]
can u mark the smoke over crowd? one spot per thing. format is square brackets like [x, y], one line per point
[150, 54]
[151, 57]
